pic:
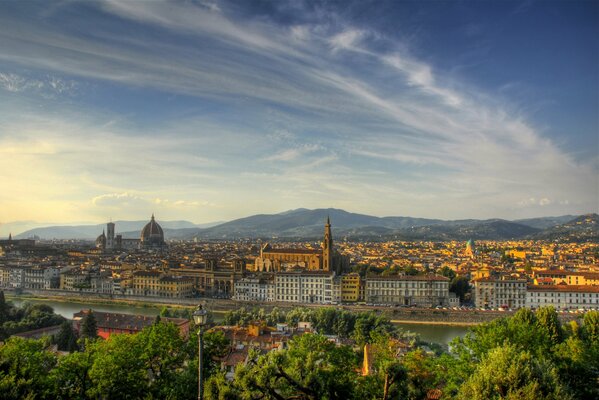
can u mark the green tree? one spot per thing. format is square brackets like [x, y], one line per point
[66, 340]
[24, 368]
[460, 286]
[88, 328]
[4, 309]
[312, 368]
[508, 373]
[118, 368]
[447, 272]
[549, 323]
[71, 376]
[590, 323]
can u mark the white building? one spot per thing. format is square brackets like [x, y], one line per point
[494, 292]
[254, 289]
[563, 296]
[51, 278]
[305, 287]
[33, 278]
[421, 290]
[102, 283]
[16, 277]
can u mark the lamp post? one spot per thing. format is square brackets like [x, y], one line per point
[200, 317]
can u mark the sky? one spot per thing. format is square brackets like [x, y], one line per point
[214, 110]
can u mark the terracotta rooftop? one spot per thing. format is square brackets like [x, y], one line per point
[564, 288]
[407, 278]
[293, 251]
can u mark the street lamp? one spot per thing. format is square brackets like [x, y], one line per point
[200, 317]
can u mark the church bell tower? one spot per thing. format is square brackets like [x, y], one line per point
[327, 247]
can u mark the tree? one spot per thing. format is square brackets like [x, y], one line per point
[447, 272]
[312, 368]
[590, 325]
[71, 376]
[66, 340]
[460, 286]
[24, 368]
[549, 323]
[88, 328]
[507, 373]
[4, 309]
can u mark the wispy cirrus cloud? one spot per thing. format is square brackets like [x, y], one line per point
[335, 109]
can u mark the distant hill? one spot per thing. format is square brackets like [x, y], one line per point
[545, 222]
[309, 224]
[584, 228]
[128, 229]
[303, 223]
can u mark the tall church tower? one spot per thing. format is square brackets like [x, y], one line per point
[327, 247]
[110, 235]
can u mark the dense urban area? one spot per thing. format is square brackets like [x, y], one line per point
[304, 320]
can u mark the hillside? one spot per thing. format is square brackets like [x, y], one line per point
[305, 223]
[584, 228]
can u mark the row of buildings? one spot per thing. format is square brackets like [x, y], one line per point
[561, 289]
[323, 287]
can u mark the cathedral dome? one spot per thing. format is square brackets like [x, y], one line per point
[151, 234]
[101, 241]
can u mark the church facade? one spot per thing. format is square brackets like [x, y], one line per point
[324, 259]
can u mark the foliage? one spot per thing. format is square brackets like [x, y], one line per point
[527, 356]
[66, 339]
[29, 317]
[89, 326]
[460, 285]
[325, 320]
[508, 373]
[24, 368]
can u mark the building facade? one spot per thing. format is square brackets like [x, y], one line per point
[562, 297]
[260, 289]
[421, 290]
[494, 292]
[305, 287]
[350, 287]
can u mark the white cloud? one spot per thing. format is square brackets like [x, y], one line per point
[49, 85]
[400, 135]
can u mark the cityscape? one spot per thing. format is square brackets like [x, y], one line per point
[299, 200]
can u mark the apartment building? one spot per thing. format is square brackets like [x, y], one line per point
[495, 292]
[563, 297]
[421, 290]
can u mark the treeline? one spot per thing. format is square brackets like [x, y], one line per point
[29, 317]
[156, 363]
[361, 327]
[529, 356]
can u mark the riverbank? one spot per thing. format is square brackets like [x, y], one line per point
[399, 315]
[437, 323]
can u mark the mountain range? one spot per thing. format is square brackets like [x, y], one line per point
[308, 224]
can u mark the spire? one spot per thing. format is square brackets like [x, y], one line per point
[328, 220]
[10, 236]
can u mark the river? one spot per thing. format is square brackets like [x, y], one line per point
[428, 332]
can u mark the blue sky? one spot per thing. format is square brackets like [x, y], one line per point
[212, 110]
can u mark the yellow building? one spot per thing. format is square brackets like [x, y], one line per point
[517, 254]
[350, 287]
[154, 283]
[567, 277]
[483, 272]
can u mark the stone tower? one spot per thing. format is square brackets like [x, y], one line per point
[110, 235]
[327, 247]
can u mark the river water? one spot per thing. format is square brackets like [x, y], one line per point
[431, 333]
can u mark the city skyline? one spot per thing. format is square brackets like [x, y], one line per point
[210, 111]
